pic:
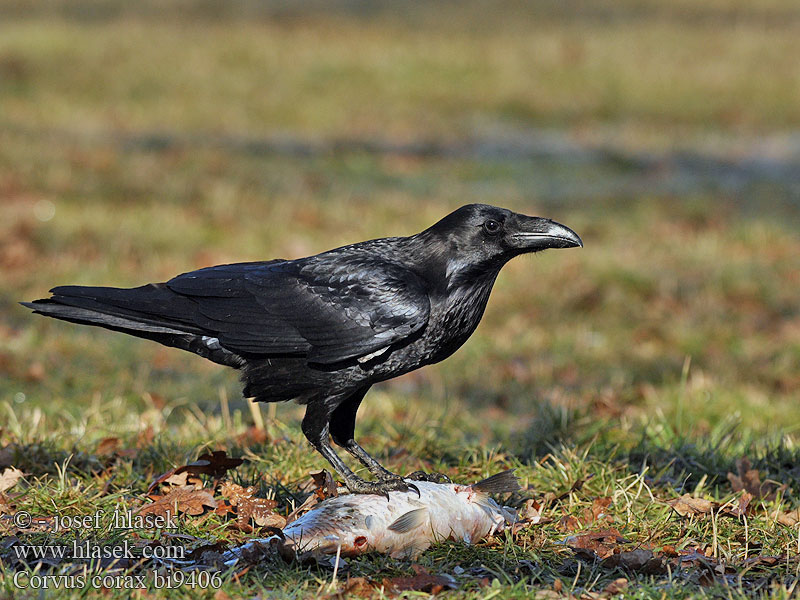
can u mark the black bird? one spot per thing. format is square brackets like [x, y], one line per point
[322, 329]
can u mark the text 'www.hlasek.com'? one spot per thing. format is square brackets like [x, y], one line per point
[116, 550]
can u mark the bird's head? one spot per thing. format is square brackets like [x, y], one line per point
[479, 237]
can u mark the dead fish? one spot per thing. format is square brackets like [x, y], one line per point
[404, 526]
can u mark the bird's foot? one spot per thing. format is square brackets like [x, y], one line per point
[380, 488]
[431, 477]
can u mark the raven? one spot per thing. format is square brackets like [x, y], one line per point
[322, 329]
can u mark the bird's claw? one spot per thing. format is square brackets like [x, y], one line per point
[430, 477]
[381, 488]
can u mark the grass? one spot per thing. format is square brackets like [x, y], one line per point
[648, 364]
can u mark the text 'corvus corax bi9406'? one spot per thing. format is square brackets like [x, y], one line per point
[321, 330]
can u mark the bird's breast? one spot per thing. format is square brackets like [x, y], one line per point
[454, 320]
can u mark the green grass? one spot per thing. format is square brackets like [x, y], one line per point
[652, 360]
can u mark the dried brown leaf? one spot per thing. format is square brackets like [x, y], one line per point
[790, 518]
[599, 507]
[173, 478]
[183, 479]
[185, 499]
[9, 478]
[749, 480]
[528, 515]
[421, 581]
[252, 436]
[325, 485]
[7, 505]
[530, 511]
[354, 587]
[248, 506]
[569, 523]
[108, 446]
[689, 505]
[215, 464]
[36, 372]
[224, 508]
[602, 543]
[617, 586]
[145, 437]
[639, 560]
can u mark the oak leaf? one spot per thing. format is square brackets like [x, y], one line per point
[186, 499]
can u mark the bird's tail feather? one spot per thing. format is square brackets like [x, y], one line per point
[151, 312]
[147, 308]
[498, 484]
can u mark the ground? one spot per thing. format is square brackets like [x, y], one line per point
[660, 360]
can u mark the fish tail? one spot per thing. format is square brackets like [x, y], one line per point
[498, 484]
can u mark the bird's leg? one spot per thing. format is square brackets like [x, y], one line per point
[342, 427]
[316, 427]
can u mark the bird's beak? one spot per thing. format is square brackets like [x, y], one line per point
[534, 233]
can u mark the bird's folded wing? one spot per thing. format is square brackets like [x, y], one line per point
[328, 310]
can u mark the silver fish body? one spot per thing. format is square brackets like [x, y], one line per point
[407, 524]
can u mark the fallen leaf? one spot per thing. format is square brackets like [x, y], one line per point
[215, 465]
[602, 543]
[639, 560]
[252, 436]
[178, 500]
[325, 484]
[9, 478]
[616, 587]
[669, 550]
[248, 506]
[145, 437]
[569, 523]
[173, 478]
[221, 595]
[196, 554]
[528, 515]
[530, 511]
[790, 518]
[689, 505]
[421, 581]
[36, 372]
[749, 480]
[107, 446]
[598, 510]
[354, 586]
[744, 503]
[7, 505]
[184, 479]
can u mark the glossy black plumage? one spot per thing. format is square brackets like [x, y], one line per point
[322, 329]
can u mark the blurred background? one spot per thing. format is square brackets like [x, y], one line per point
[141, 140]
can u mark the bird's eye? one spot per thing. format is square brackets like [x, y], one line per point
[491, 226]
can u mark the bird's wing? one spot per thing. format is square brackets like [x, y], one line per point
[328, 308]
